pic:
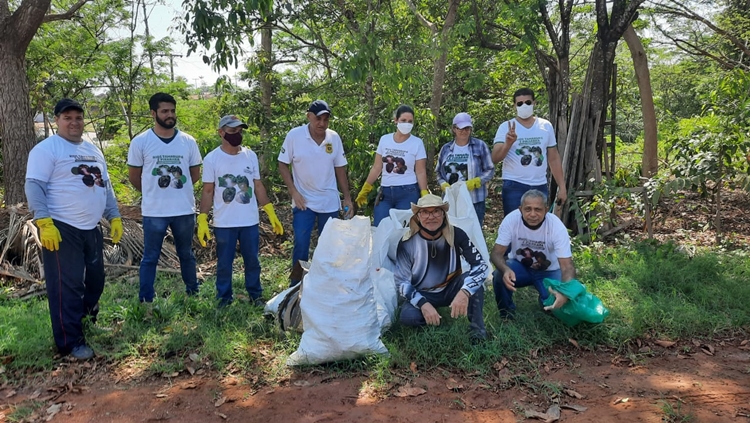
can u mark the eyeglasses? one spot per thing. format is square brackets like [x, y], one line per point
[527, 102]
[431, 213]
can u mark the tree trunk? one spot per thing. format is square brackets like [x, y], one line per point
[266, 90]
[650, 161]
[17, 126]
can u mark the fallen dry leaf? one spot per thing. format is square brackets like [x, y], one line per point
[696, 342]
[220, 401]
[52, 410]
[301, 383]
[552, 414]
[10, 393]
[573, 394]
[413, 367]
[745, 342]
[574, 342]
[409, 391]
[664, 344]
[499, 365]
[707, 351]
[621, 400]
[710, 348]
[188, 385]
[683, 356]
[578, 408]
[161, 395]
[194, 357]
[222, 415]
[453, 385]
[35, 395]
[190, 370]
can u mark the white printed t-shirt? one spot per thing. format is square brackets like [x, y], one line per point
[165, 178]
[233, 176]
[399, 159]
[76, 177]
[526, 161]
[533, 246]
[458, 164]
[313, 167]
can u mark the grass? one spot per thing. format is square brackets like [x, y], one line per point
[649, 289]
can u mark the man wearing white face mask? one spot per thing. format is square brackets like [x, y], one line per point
[526, 145]
[401, 160]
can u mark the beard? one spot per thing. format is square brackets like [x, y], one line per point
[164, 124]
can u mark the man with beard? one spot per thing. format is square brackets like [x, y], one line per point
[428, 270]
[165, 205]
[67, 213]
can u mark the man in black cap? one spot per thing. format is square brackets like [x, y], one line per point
[316, 155]
[69, 191]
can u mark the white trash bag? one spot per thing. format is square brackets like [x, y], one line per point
[462, 214]
[339, 311]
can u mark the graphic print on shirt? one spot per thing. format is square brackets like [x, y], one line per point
[90, 174]
[236, 188]
[530, 151]
[393, 161]
[531, 254]
[169, 172]
[456, 167]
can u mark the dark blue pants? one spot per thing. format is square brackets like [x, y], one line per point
[524, 277]
[154, 231]
[513, 191]
[397, 197]
[75, 281]
[303, 222]
[226, 249]
[480, 208]
[412, 316]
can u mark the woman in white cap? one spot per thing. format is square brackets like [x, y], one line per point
[401, 160]
[466, 159]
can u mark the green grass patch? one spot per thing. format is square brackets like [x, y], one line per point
[649, 288]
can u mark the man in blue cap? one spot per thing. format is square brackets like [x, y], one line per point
[316, 156]
[69, 191]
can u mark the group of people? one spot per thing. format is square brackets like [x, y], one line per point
[312, 165]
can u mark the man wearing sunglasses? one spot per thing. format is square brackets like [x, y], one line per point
[428, 270]
[526, 145]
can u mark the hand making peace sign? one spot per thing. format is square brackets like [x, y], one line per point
[511, 136]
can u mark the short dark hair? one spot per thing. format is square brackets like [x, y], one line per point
[153, 102]
[523, 91]
[403, 109]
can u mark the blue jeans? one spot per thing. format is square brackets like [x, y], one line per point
[480, 209]
[303, 222]
[154, 231]
[524, 277]
[412, 316]
[226, 248]
[398, 197]
[75, 281]
[513, 191]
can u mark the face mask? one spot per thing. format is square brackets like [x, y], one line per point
[233, 139]
[404, 127]
[525, 111]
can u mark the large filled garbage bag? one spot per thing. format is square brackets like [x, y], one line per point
[582, 306]
[339, 309]
[461, 213]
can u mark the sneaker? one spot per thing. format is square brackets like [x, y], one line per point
[82, 352]
[259, 302]
[507, 314]
[149, 311]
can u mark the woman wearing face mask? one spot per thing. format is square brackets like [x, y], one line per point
[401, 161]
[526, 145]
[466, 159]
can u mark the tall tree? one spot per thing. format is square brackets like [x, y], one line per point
[17, 28]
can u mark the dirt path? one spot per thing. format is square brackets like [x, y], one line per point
[613, 389]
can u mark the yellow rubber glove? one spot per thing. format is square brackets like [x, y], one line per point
[445, 186]
[275, 224]
[115, 230]
[424, 192]
[473, 183]
[49, 234]
[361, 199]
[204, 234]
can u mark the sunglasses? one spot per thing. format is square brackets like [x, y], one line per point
[527, 102]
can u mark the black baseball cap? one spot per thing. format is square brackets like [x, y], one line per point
[318, 107]
[66, 104]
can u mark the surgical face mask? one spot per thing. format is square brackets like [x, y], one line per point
[233, 139]
[525, 111]
[404, 127]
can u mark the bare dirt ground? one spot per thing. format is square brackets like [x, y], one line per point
[692, 380]
[687, 378]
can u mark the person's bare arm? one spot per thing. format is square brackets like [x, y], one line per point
[500, 150]
[343, 181]
[134, 175]
[195, 174]
[207, 197]
[286, 176]
[377, 169]
[497, 257]
[567, 268]
[260, 193]
[420, 168]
